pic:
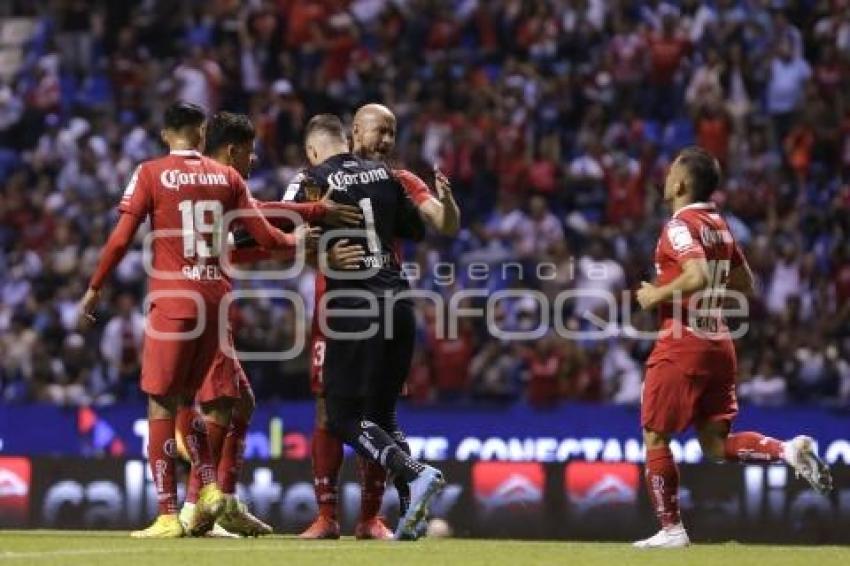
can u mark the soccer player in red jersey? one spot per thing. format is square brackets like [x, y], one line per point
[690, 375]
[226, 398]
[373, 136]
[186, 196]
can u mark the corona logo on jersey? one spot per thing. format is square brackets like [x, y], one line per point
[517, 486]
[339, 181]
[15, 476]
[174, 178]
[599, 484]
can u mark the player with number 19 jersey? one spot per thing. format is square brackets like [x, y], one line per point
[187, 196]
[691, 371]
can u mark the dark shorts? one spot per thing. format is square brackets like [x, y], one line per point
[369, 366]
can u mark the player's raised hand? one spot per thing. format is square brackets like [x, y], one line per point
[340, 214]
[441, 183]
[343, 256]
[86, 308]
[647, 295]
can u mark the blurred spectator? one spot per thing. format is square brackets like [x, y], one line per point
[495, 372]
[599, 279]
[121, 346]
[788, 74]
[450, 361]
[555, 121]
[543, 372]
[621, 375]
[767, 387]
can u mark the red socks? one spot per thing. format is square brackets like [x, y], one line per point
[662, 481]
[373, 478]
[752, 447]
[232, 455]
[193, 486]
[327, 460]
[192, 424]
[162, 449]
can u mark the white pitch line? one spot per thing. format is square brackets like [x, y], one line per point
[11, 555]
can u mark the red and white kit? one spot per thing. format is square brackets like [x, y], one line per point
[186, 196]
[690, 375]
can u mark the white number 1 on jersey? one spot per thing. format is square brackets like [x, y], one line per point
[369, 215]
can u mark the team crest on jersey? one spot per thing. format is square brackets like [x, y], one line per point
[312, 191]
[679, 236]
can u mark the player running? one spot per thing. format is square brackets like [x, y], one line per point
[362, 377]
[690, 375]
[373, 136]
[226, 398]
[186, 196]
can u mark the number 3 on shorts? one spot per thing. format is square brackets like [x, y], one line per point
[319, 353]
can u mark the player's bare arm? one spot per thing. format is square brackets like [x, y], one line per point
[442, 213]
[694, 278]
[116, 247]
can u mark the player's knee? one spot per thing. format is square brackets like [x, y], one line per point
[321, 414]
[713, 446]
[654, 439]
[160, 407]
[246, 405]
[218, 411]
[712, 440]
[713, 451]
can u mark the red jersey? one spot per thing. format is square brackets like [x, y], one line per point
[187, 196]
[543, 386]
[666, 54]
[415, 187]
[695, 231]
[450, 361]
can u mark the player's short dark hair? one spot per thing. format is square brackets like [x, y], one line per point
[327, 124]
[704, 171]
[228, 128]
[182, 114]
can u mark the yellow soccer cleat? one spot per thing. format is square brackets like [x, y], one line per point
[237, 519]
[207, 510]
[165, 526]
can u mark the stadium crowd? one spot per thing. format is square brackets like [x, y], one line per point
[553, 118]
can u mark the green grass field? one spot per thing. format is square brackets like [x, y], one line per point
[70, 548]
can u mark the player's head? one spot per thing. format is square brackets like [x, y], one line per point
[183, 125]
[693, 177]
[230, 140]
[373, 131]
[324, 137]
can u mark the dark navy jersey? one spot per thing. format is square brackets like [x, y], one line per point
[388, 214]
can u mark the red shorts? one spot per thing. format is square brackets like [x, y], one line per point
[225, 378]
[689, 388]
[174, 365]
